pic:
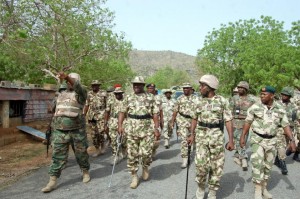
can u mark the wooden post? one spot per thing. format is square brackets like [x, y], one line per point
[5, 114]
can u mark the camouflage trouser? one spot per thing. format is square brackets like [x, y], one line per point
[240, 152]
[139, 148]
[61, 140]
[113, 133]
[183, 132]
[281, 144]
[167, 130]
[262, 158]
[210, 156]
[98, 133]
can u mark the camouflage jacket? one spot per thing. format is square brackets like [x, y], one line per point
[267, 121]
[291, 112]
[139, 104]
[239, 106]
[212, 110]
[71, 123]
[114, 106]
[167, 107]
[184, 108]
[97, 104]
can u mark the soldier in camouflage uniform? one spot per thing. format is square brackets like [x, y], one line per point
[94, 109]
[265, 119]
[182, 115]
[167, 106]
[281, 145]
[209, 115]
[151, 89]
[140, 108]
[239, 105]
[113, 108]
[69, 129]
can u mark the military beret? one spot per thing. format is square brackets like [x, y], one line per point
[269, 89]
[152, 85]
[117, 85]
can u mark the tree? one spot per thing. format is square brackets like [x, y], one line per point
[257, 51]
[167, 77]
[50, 36]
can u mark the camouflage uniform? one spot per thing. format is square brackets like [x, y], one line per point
[139, 129]
[264, 123]
[167, 107]
[114, 106]
[184, 108]
[69, 128]
[158, 102]
[281, 145]
[239, 106]
[95, 115]
[210, 154]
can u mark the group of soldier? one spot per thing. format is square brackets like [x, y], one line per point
[132, 124]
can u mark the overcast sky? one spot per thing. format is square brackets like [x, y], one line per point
[181, 25]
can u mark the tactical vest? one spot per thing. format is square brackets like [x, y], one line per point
[67, 105]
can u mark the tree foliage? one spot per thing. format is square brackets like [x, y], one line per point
[55, 35]
[258, 51]
[167, 77]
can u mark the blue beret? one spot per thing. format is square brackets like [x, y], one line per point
[269, 89]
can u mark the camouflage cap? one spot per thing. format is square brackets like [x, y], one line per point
[269, 89]
[235, 89]
[210, 80]
[110, 89]
[75, 76]
[186, 85]
[167, 91]
[118, 90]
[95, 82]
[138, 80]
[287, 91]
[243, 84]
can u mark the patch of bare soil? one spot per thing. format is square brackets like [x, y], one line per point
[21, 158]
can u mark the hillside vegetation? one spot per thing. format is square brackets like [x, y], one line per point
[146, 63]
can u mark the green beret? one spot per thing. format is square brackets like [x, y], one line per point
[269, 89]
[150, 85]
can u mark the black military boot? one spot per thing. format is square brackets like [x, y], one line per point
[277, 161]
[296, 156]
[288, 152]
[283, 167]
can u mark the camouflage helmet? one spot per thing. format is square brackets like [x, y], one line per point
[186, 85]
[243, 84]
[210, 80]
[118, 90]
[110, 89]
[138, 80]
[75, 76]
[287, 91]
[95, 82]
[62, 86]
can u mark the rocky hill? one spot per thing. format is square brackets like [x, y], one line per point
[146, 63]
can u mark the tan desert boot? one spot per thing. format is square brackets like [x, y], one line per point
[86, 176]
[51, 185]
[145, 174]
[135, 181]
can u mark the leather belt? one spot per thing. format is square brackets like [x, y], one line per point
[209, 125]
[264, 135]
[186, 116]
[140, 117]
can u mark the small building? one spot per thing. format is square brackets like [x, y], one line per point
[22, 104]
